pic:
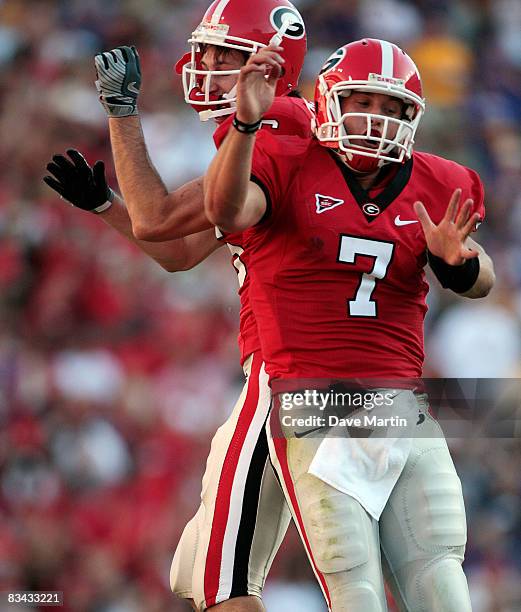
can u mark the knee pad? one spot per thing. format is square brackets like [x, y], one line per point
[434, 505]
[345, 545]
[424, 532]
[338, 528]
[441, 585]
[359, 596]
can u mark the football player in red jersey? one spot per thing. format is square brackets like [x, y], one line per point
[339, 228]
[227, 548]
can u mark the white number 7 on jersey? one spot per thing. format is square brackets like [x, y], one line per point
[350, 247]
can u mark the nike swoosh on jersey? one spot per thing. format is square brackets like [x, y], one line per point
[399, 222]
[132, 87]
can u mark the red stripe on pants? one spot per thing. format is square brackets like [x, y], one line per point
[214, 554]
[280, 445]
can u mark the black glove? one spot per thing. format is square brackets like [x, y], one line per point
[83, 186]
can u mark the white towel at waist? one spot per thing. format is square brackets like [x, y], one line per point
[367, 468]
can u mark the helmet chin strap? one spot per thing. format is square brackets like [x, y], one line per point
[358, 168]
[362, 164]
[213, 114]
[221, 112]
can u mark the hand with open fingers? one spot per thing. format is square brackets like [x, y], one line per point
[447, 239]
[75, 181]
[119, 80]
[257, 83]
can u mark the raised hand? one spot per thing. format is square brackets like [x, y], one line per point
[257, 83]
[83, 186]
[119, 80]
[447, 239]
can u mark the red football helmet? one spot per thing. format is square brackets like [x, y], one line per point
[231, 24]
[370, 66]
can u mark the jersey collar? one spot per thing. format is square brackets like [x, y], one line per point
[371, 207]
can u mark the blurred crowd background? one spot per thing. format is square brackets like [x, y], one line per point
[114, 374]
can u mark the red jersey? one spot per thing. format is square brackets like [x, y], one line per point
[338, 286]
[288, 116]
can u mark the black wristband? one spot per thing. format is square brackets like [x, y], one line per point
[458, 278]
[245, 128]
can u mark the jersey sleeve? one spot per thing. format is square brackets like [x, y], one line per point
[273, 164]
[477, 193]
[287, 116]
[302, 118]
[272, 169]
[232, 238]
[440, 177]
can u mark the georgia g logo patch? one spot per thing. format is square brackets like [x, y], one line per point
[278, 17]
[371, 209]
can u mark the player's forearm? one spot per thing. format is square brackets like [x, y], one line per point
[486, 277]
[172, 255]
[227, 180]
[140, 184]
[183, 215]
[185, 253]
[117, 217]
[156, 215]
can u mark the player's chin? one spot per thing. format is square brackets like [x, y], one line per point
[362, 148]
[368, 144]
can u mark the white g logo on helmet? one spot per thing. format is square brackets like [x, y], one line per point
[334, 59]
[281, 14]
